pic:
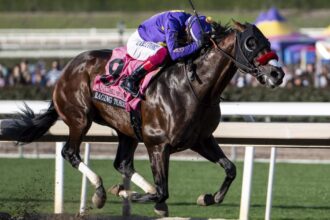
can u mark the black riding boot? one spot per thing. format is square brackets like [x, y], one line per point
[131, 83]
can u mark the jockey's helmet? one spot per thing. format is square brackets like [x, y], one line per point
[194, 27]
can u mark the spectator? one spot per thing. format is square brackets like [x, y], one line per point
[53, 74]
[26, 75]
[15, 76]
[288, 78]
[241, 81]
[39, 74]
[3, 70]
[2, 80]
[323, 77]
[37, 77]
[3, 75]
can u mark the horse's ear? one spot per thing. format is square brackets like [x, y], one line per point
[216, 26]
[240, 27]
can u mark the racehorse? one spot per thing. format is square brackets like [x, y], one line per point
[178, 113]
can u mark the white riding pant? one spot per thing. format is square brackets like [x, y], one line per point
[140, 49]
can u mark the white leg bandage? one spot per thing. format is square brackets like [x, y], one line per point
[124, 193]
[138, 180]
[93, 178]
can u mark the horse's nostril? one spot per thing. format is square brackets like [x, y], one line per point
[274, 74]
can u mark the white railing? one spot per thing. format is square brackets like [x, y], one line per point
[60, 43]
[58, 38]
[293, 109]
[243, 134]
[67, 43]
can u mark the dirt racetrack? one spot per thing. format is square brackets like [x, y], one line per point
[5, 216]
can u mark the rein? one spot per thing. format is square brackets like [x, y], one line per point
[246, 67]
[251, 70]
[195, 94]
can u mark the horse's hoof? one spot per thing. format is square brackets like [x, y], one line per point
[118, 190]
[99, 197]
[161, 209]
[205, 200]
[81, 215]
[114, 190]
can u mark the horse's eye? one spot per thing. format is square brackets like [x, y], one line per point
[251, 44]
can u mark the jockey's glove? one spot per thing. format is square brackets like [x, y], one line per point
[199, 43]
[204, 40]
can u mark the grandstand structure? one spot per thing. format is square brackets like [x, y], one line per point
[66, 43]
[58, 43]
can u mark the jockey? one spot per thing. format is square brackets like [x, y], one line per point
[162, 34]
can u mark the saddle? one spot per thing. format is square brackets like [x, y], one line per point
[106, 87]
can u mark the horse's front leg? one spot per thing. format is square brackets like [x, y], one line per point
[210, 149]
[125, 165]
[159, 159]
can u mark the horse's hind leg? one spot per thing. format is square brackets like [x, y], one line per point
[72, 100]
[210, 149]
[79, 120]
[124, 164]
[71, 152]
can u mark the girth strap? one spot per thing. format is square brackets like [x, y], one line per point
[136, 123]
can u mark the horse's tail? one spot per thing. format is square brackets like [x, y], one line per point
[28, 127]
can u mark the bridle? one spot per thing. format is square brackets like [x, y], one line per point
[244, 68]
[242, 62]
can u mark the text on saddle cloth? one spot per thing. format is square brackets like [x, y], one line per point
[106, 87]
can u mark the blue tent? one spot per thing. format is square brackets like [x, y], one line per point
[281, 36]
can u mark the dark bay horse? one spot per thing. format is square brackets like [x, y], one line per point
[177, 114]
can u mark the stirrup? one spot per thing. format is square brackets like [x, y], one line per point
[133, 93]
[129, 90]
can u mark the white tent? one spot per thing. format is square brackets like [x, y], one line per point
[326, 31]
[323, 50]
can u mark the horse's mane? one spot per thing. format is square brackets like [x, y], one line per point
[219, 31]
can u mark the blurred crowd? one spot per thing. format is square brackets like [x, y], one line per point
[37, 73]
[295, 76]
[26, 73]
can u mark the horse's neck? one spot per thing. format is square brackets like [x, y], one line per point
[215, 72]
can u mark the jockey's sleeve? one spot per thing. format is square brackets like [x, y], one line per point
[171, 36]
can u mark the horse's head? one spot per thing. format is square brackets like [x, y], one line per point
[254, 55]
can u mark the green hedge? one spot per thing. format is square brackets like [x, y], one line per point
[25, 93]
[262, 94]
[232, 94]
[149, 5]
